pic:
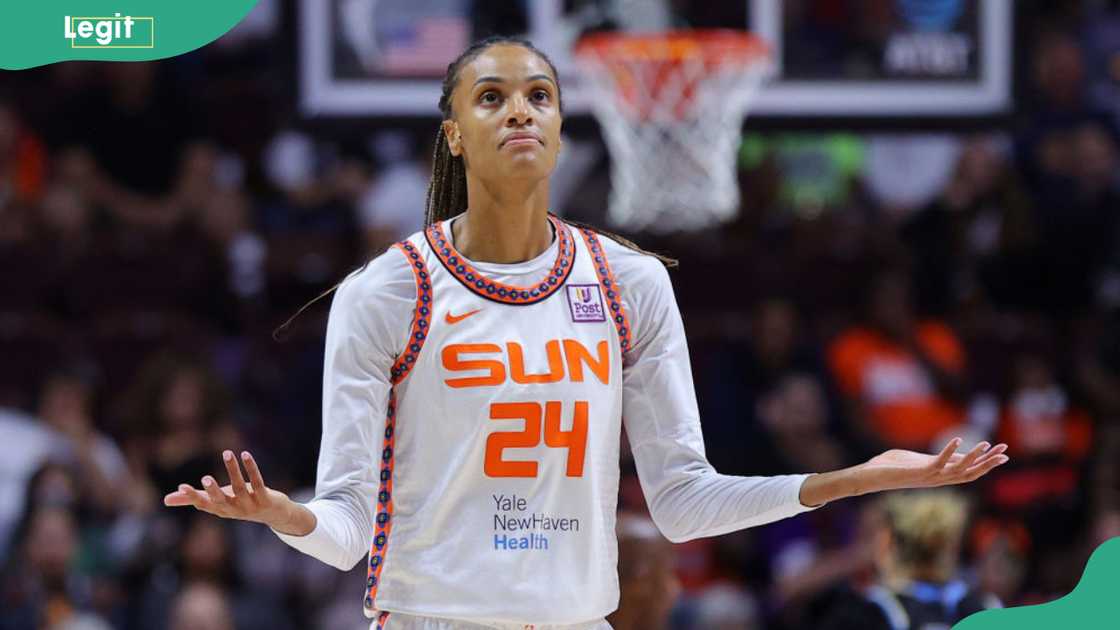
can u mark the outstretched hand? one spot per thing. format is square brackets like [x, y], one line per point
[246, 501]
[899, 468]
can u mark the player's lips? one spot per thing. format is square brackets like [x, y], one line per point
[521, 137]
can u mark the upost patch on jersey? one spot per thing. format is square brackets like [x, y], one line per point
[586, 303]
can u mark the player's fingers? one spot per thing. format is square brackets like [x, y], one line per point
[255, 478]
[213, 492]
[191, 492]
[991, 453]
[946, 453]
[979, 470]
[178, 499]
[236, 479]
[969, 459]
[187, 495]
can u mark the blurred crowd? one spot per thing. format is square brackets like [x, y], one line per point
[159, 220]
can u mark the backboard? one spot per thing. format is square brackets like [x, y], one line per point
[936, 58]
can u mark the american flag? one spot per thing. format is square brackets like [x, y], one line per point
[423, 46]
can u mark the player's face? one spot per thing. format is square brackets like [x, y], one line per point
[505, 115]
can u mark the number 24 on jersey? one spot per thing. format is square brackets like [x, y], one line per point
[574, 440]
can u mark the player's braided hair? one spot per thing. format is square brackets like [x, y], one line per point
[447, 190]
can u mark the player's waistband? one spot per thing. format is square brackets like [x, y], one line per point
[400, 621]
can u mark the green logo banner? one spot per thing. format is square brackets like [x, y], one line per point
[1089, 606]
[49, 31]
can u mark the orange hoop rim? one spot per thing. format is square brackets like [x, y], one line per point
[674, 46]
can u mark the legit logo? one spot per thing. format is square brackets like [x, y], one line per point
[586, 303]
[110, 32]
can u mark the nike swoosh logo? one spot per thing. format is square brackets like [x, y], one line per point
[455, 319]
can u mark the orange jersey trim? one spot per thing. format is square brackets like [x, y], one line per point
[477, 283]
[610, 287]
[422, 316]
[383, 519]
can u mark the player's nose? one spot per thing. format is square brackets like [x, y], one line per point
[519, 111]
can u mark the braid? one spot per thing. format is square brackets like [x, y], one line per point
[447, 190]
[671, 263]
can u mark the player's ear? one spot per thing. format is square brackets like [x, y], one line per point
[454, 138]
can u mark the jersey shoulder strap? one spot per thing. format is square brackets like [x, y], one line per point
[609, 285]
[421, 315]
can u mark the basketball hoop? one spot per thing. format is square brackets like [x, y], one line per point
[671, 106]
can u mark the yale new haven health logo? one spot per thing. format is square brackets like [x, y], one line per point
[118, 31]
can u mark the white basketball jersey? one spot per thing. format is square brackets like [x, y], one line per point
[500, 470]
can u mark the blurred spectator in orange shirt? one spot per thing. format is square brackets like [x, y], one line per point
[1039, 419]
[901, 376]
[1049, 436]
[1042, 494]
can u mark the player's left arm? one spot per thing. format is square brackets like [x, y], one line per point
[686, 496]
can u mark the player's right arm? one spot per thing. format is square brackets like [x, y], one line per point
[368, 327]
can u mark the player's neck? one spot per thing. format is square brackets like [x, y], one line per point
[508, 227]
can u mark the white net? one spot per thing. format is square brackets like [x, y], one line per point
[673, 130]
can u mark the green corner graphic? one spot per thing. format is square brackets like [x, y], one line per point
[1086, 608]
[49, 31]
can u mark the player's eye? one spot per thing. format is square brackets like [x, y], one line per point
[540, 96]
[488, 97]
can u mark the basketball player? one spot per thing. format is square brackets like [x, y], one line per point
[477, 377]
[919, 583]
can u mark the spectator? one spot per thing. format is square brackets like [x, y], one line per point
[819, 560]
[42, 590]
[1001, 549]
[316, 190]
[27, 444]
[795, 420]
[648, 587]
[1040, 420]
[726, 607]
[204, 558]
[201, 606]
[66, 407]
[392, 207]
[144, 128]
[901, 376]
[744, 378]
[980, 228]
[176, 404]
[240, 253]
[1051, 438]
